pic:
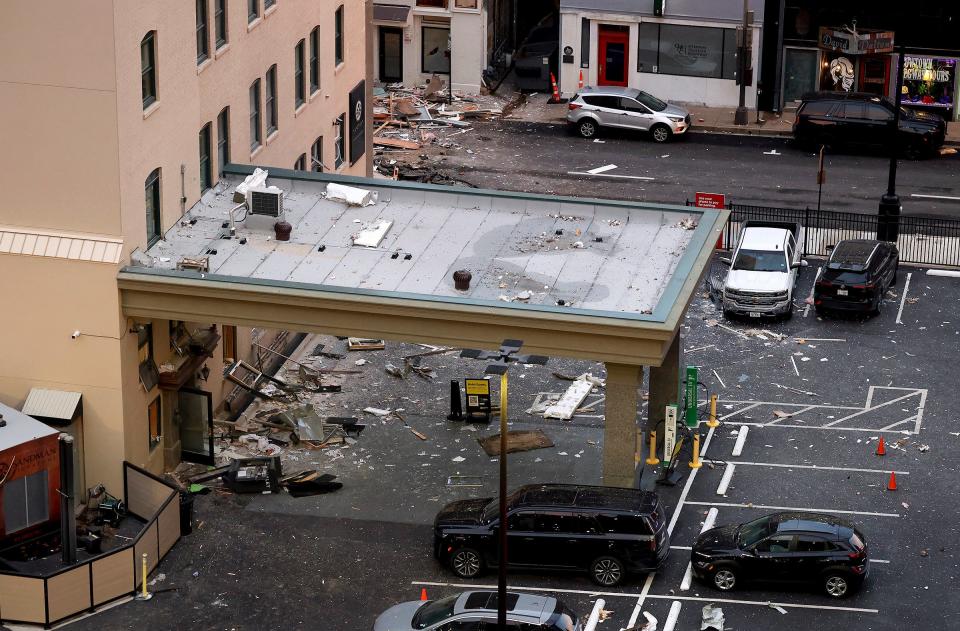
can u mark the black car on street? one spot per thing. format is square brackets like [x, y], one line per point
[608, 532]
[794, 547]
[856, 276]
[853, 119]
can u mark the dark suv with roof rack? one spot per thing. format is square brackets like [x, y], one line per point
[605, 531]
[860, 119]
[856, 276]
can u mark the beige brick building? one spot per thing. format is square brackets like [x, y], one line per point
[117, 116]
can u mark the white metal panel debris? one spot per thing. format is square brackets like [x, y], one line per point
[371, 235]
[567, 406]
[351, 194]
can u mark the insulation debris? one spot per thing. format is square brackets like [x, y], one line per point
[371, 235]
[566, 407]
[351, 195]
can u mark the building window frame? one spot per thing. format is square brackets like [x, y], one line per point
[206, 174]
[316, 155]
[726, 67]
[433, 4]
[153, 201]
[423, 48]
[314, 60]
[338, 36]
[203, 32]
[148, 69]
[270, 99]
[299, 89]
[256, 129]
[220, 24]
[339, 141]
[223, 139]
[27, 496]
[267, 4]
[253, 11]
[154, 423]
[229, 343]
[301, 163]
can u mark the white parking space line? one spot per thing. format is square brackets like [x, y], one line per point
[871, 409]
[879, 561]
[948, 197]
[806, 309]
[836, 429]
[802, 466]
[708, 523]
[681, 547]
[741, 440]
[903, 298]
[686, 487]
[943, 272]
[557, 590]
[603, 169]
[611, 175]
[725, 480]
[793, 509]
[643, 596]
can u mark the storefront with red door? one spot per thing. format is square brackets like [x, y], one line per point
[854, 60]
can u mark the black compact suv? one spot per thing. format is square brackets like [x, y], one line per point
[856, 276]
[783, 547]
[852, 119]
[606, 531]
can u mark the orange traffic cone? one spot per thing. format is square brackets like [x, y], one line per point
[556, 91]
[580, 83]
[892, 484]
[881, 448]
[423, 594]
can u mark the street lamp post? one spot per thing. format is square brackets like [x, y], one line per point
[507, 354]
[888, 219]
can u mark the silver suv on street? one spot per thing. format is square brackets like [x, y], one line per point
[627, 108]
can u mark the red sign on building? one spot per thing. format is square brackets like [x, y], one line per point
[709, 200]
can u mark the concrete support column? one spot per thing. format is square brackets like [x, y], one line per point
[664, 385]
[620, 424]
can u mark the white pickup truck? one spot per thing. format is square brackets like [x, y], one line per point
[763, 270]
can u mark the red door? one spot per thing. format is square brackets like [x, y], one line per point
[613, 42]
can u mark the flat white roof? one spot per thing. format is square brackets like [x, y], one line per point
[20, 428]
[612, 257]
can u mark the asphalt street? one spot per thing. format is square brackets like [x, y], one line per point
[815, 393]
[545, 158]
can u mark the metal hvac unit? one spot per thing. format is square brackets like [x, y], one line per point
[264, 208]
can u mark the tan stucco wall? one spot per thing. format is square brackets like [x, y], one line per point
[81, 147]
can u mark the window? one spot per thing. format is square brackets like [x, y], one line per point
[632, 106]
[220, 22]
[437, 4]
[151, 189]
[253, 10]
[301, 163]
[585, 43]
[691, 51]
[611, 102]
[147, 369]
[522, 521]
[148, 68]
[223, 139]
[26, 501]
[299, 97]
[255, 137]
[812, 544]
[338, 147]
[206, 177]
[879, 113]
[153, 422]
[776, 544]
[203, 39]
[854, 110]
[314, 60]
[316, 155]
[229, 344]
[338, 36]
[268, 3]
[436, 50]
[817, 108]
[270, 101]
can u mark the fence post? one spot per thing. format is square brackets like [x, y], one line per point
[806, 228]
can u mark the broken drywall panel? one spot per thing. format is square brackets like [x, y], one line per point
[567, 405]
[351, 194]
[371, 235]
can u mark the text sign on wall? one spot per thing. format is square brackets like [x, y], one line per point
[709, 200]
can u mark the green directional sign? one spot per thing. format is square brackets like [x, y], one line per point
[692, 410]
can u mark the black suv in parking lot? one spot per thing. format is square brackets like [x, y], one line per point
[605, 531]
[856, 276]
[784, 547]
[858, 119]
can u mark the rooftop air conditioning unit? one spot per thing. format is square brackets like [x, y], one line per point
[264, 208]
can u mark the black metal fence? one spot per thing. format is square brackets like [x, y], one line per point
[923, 240]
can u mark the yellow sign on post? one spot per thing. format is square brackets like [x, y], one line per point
[478, 398]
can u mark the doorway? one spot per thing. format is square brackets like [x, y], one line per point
[800, 74]
[875, 75]
[391, 54]
[614, 55]
[195, 408]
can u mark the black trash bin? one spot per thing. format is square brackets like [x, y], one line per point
[186, 513]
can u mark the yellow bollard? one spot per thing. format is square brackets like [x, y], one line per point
[713, 422]
[144, 595]
[695, 463]
[652, 458]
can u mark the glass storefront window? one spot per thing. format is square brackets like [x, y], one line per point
[436, 50]
[928, 83]
[690, 51]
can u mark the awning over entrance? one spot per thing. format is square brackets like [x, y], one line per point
[56, 407]
[391, 14]
[601, 280]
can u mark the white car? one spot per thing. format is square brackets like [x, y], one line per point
[626, 108]
[763, 270]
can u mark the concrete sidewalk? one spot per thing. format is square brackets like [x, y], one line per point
[715, 120]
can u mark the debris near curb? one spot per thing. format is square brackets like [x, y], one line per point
[517, 441]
